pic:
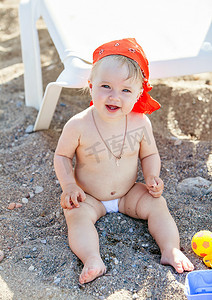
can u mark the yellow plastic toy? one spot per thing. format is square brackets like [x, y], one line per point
[208, 260]
[202, 243]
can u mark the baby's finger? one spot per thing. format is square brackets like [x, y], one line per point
[82, 196]
[156, 189]
[155, 194]
[159, 184]
[62, 204]
[74, 198]
[63, 201]
[159, 181]
[152, 189]
[68, 202]
[151, 183]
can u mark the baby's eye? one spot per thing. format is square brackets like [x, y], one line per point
[126, 91]
[106, 86]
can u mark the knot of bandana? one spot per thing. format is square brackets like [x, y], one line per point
[130, 48]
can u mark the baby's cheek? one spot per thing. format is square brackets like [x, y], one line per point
[128, 108]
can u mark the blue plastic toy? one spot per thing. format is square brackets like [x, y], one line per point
[198, 285]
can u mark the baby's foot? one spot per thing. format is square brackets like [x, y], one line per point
[93, 268]
[177, 259]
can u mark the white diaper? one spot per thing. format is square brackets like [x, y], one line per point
[111, 205]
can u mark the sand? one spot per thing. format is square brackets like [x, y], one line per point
[38, 263]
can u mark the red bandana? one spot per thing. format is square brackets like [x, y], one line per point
[130, 48]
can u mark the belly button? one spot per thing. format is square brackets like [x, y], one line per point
[113, 193]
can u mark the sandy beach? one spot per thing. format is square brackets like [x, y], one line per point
[38, 263]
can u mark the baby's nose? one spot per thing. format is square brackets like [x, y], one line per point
[114, 96]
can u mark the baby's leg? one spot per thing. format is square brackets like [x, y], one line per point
[83, 237]
[138, 203]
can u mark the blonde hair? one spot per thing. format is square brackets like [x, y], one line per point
[134, 70]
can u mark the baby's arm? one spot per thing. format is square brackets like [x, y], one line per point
[150, 162]
[69, 141]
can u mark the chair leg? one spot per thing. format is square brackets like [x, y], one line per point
[48, 106]
[75, 75]
[28, 15]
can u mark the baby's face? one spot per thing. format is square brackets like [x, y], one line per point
[113, 93]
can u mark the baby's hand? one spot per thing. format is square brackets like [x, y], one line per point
[71, 196]
[155, 186]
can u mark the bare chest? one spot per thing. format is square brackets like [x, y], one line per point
[112, 145]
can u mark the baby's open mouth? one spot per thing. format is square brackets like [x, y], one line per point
[112, 107]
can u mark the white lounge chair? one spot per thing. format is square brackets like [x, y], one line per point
[176, 37]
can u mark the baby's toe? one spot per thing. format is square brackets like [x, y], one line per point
[83, 276]
[178, 267]
[90, 273]
[184, 264]
[187, 265]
